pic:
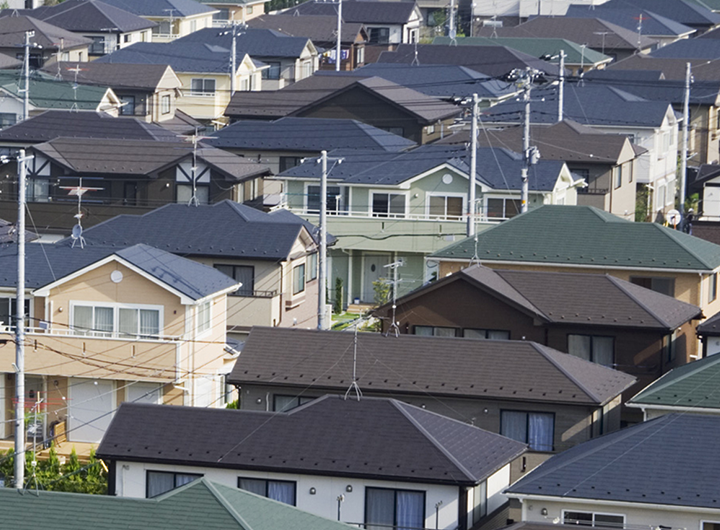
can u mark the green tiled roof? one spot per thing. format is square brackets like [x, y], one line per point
[200, 504]
[47, 92]
[583, 235]
[691, 385]
[538, 47]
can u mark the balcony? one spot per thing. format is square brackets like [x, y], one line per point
[64, 353]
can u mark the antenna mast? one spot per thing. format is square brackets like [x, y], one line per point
[394, 266]
[354, 386]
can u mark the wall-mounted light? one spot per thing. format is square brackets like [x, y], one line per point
[258, 401]
[544, 512]
[313, 491]
[348, 488]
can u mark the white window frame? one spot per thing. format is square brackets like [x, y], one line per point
[203, 94]
[463, 196]
[203, 328]
[116, 319]
[503, 197]
[371, 196]
[593, 516]
[344, 208]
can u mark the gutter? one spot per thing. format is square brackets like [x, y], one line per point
[522, 497]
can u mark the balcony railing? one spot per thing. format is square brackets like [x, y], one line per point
[481, 216]
[255, 294]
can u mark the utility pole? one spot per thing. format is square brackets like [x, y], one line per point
[233, 53]
[451, 27]
[561, 86]
[473, 167]
[322, 273]
[20, 330]
[26, 73]
[684, 152]
[338, 53]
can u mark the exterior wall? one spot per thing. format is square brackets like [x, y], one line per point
[131, 482]
[636, 515]
[602, 192]
[212, 106]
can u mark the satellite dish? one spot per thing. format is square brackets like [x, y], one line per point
[76, 232]
[673, 217]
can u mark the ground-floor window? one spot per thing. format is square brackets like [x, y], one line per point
[533, 428]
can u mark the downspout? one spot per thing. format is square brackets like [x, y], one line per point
[282, 295]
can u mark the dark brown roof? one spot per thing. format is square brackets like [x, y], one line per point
[567, 140]
[319, 28]
[113, 75]
[409, 364]
[672, 68]
[373, 438]
[137, 157]
[13, 28]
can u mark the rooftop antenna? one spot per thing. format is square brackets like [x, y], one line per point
[194, 139]
[475, 258]
[639, 28]
[58, 54]
[415, 61]
[394, 266]
[354, 386]
[76, 71]
[494, 34]
[172, 20]
[77, 230]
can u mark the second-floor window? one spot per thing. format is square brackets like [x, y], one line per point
[244, 274]
[593, 348]
[388, 205]
[114, 320]
[492, 334]
[165, 104]
[202, 87]
[445, 207]
[533, 428]
[277, 490]
[273, 72]
[503, 208]
[299, 279]
[337, 199]
[660, 285]
[128, 105]
[436, 331]
[608, 520]
[204, 317]
[159, 482]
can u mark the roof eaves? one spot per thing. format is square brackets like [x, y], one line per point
[627, 293]
[562, 369]
[660, 385]
[666, 233]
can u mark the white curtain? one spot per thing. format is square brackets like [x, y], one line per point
[603, 351]
[410, 510]
[82, 319]
[258, 487]
[579, 346]
[128, 321]
[514, 425]
[380, 506]
[282, 492]
[103, 320]
[499, 335]
[181, 480]
[159, 483]
[540, 435]
[149, 322]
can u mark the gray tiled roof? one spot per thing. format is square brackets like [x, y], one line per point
[161, 8]
[319, 29]
[195, 231]
[653, 25]
[642, 84]
[374, 438]
[47, 35]
[140, 157]
[306, 134]
[53, 124]
[682, 11]
[672, 68]
[708, 49]
[362, 11]
[647, 463]
[256, 42]
[411, 364]
[47, 263]
[91, 15]
[113, 75]
[193, 57]
[494, 61]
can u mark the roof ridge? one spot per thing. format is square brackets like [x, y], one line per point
[465, 471]
[511, 286]
[661, 385]
[667, 232]
[226, 504]
[617, 283]
[541, 350]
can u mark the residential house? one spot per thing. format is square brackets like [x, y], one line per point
[448, 82]
[596, 317]
[52, 124]
[288, 58]
[646, 254]
[111, 325]
[578, 58]
[233, 11]
[493, 62]
[386, 23]
[374, 101]
[203, 69]
[664, 30]
[174, 18]
[512, 12]
[496, 385]
[685, 12]
[709, 332]
[596, 33]
[690, 49]
[283, 143]
[273, 255]
[671, 68]
[127, 176]
[704, 106]
[652, 125]
[322, 31]
[606, 162]
[365, 462]
[146, 91]
[688, 389]
[389, 206]
[47, 92]
[7, 234]
[705, 183]
[108, 27]
[635, 478]
[50, 43]
[199, 504]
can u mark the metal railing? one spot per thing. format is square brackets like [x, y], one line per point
[481, 216]
[90, 334]
[255, 294]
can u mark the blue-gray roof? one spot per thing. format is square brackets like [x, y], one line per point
[653, 25]
[496, 167]
[225, 229]
[439, 80]
[306, 134]
[162, 8]
[646, 84]
[682, 11]
[648, 463]
[588, 104]
[47, 263]
[193, 57]
[90, 15]
[690, 49]
[255, 42]
[359, 11]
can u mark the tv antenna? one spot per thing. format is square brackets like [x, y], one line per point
[78, 191]
[354, 386]
[76, 71]
[194, 138]
[394, 267]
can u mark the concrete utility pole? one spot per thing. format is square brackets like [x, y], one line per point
[322, 273]
[473, 168]
[561, 86]
[684, 151]
[233, 52]
[338, 53]
[20, 330]
[26, 73]
[451, 27]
